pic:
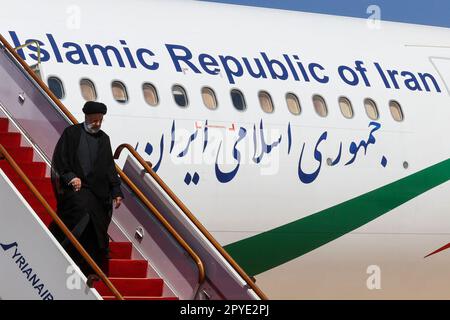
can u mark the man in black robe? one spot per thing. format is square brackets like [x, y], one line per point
[86, 186]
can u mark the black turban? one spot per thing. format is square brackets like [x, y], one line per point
[91, 107]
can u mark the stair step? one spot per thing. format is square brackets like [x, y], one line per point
[132, 287]
[125, 268]
[4, 164]
[9, 171]
[26, 192]
[34, 170]
[10, 139]
[22, 154]
[44, 185]
[4, 125]
[120, 250]
[31, 172]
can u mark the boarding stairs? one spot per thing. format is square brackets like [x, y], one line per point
[159, 251]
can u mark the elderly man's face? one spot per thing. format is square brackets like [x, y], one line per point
[94, 121]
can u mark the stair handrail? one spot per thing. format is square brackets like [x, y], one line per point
[4, 154]
[169, 228]
[148, 168]
[141, 196]
[38, 46]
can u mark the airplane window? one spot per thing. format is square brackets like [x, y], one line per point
[320, 106]
[180, 96]
[238, 99]
[119, 92]
[56, 86]
[88, 90]
[209, 98]
[293, 103]
[396, 110]
[371, 109]
[346, 107]
[265, 101]
[150, 94]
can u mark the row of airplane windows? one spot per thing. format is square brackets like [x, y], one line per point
[120, 94]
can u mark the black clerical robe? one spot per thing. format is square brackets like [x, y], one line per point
[87, 212]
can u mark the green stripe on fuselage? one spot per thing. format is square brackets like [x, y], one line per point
[270, 249]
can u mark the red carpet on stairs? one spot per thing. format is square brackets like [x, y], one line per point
[34, 170]
[128, 276]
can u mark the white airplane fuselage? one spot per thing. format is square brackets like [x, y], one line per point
[314, 206]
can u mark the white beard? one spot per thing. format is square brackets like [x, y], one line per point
[89, 128]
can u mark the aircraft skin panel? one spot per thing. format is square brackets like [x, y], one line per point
[382, 260]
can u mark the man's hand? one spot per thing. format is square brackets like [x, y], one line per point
[117, 202]
[76, 184]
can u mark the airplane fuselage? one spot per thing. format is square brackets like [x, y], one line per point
[312, 147]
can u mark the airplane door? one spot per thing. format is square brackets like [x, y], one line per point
[442, 66]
